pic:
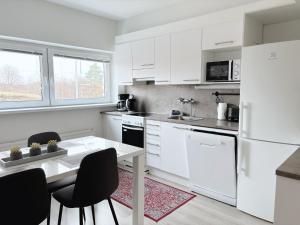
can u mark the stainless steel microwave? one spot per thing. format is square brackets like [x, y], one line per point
[223, 71]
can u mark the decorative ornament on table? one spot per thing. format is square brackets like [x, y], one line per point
[16, 153]
[52, 146]
[35, 149]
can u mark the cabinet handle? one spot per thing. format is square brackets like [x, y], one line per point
[156, 145]
[182, 128]
[149, 64]
[153, 125]
[161, 81]
[155, 135]
[116, 118]
[207, 145]
[191, 80]
[126, 83]
[150, 153]
[224, 43]
[143, 78]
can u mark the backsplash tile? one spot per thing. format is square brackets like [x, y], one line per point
[162, 99]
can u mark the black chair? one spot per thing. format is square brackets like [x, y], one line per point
[44, 138]
[24, 198]
[97, 179]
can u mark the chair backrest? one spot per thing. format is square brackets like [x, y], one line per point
[43, 138]
[97, 177]
[24, 198]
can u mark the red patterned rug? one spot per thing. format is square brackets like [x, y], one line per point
[160, 199]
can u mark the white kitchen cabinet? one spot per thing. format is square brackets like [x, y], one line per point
[173, 149]
[113, 127]
[143, 54]
[223, 35]
[153, 144]
[163, 60]
[123, 64]
[186, 60]
[257, 166]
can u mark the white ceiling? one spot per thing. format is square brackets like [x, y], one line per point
[124, 9]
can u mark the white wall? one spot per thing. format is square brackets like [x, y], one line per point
[39, 20]
[286, 31]
[16, 128]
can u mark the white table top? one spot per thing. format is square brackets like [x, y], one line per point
[67, 165]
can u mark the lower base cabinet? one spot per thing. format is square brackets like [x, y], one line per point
[112, 127]
[173, 149]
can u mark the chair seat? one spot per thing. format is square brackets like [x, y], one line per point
[56, 185]
[65, 196]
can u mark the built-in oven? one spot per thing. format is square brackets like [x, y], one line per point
[223, 71]
[133, 135]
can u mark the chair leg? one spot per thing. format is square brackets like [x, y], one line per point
[83, 213]
[113, 211]
[48, 218]
[93, 212]
[80, 216]
[60, 214]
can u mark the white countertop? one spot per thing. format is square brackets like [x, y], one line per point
[66, 165]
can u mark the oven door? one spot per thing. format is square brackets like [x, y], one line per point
[218, 71]
[133, 135]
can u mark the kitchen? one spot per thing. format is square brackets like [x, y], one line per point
[209, 98]
[155, 78]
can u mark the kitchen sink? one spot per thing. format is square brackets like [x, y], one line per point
[186, 118]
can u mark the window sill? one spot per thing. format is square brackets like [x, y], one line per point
[104, 106]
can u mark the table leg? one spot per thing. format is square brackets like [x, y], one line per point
[138, 190]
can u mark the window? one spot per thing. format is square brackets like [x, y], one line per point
[21, 77]
[29, 77]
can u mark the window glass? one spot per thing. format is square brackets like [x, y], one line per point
[20, 77]
[78, 78]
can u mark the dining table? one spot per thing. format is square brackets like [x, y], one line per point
[62, 166]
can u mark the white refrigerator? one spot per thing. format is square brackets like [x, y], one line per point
[269, 122]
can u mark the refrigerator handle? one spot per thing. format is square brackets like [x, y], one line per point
[243, 125]
[241, 118]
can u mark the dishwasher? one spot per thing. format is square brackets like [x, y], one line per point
[212, 164]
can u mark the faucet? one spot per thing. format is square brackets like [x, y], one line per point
[190, 101]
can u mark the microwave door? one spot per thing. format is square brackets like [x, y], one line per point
[218, 71]
[230, 70]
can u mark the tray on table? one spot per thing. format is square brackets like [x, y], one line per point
[8, 162]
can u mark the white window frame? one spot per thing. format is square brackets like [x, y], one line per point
[83, 55]
[47, 51]
[44, 76]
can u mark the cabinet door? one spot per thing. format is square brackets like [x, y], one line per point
[143, 56]
[186, 47]
[223, 35]
[173, 149]
[257, 166]
[113, 127]
[123, 63]
[163, 60]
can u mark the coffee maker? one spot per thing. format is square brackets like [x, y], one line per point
[126, 103]
[131, 103]
[121, 105]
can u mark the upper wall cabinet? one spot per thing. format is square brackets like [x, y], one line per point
[186, 51]
[143, 54]
[225, 35]
[143, 59]
[163, 60]
[123, 63]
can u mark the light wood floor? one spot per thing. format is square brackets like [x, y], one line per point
[199, 211]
